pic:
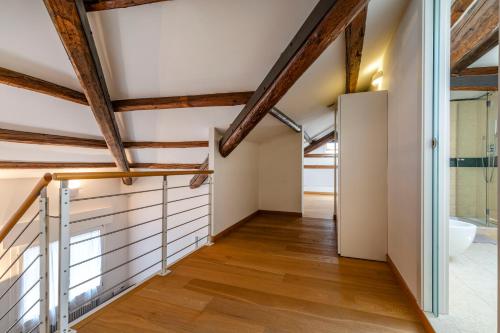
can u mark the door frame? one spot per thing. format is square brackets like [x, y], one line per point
[435, 156]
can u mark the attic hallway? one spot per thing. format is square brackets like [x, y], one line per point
[274, 274]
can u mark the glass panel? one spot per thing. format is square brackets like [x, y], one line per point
[491, 161]
[473, 172]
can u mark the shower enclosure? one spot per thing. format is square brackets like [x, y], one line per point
[473, 174]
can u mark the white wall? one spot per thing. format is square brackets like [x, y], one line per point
[236, 186]
[280, 173]
[403, 80]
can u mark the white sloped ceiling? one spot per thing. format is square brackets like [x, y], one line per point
[170, 48]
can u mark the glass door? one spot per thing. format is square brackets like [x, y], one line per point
[491, 160]
[473, 160]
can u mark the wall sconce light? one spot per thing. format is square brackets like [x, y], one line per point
[377, 79]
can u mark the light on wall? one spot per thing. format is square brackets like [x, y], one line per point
[377, 79]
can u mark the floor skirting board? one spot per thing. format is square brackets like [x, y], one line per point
[423, 318]
[240, 223]
[235, 226]
[276, 212]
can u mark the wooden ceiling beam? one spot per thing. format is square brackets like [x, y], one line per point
[198, 180]
[91, 165]
[474, 35]
[354, 39]
[320, 166]
[61, 140]
[490, 70]
[326, 22]
[178, 102]
[329, 137]
[186, 166]
[71, 23]
[319, 155]
[96, 5]
[24, 81]
[173, 144]
[458, 8]
[49, 139]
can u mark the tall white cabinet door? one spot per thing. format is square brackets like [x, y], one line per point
[363, 175]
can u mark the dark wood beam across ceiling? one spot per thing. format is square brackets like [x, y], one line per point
[24, 81]
[458, 8]
[177, 102]
[319, 166]
[61, 140]
[95, 5]
[490, 70]
[198, 180]
[317, 143]
[474, 35]
[71, 23]
[91, 165]
[326, 22]
[354, 39]
[319, 155]
[172, 144]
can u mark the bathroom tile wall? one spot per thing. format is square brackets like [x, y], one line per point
[468, 191]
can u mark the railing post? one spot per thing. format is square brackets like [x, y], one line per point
[44, 262]
[64, 259]
[210, 241]
[164, 229]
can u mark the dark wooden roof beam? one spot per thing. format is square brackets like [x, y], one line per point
[354, 39]
[91, 165]
[177, 102]
[474, 35]
[60, 140]
[458, 8]
[326, 22]
[198, 180]
[24, 81]
[96, 5]
[71, 23]
[317, 143]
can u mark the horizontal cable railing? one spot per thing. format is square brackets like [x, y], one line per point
[134, 235]
[106, 239]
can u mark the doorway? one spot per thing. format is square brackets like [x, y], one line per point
[460, 285]
[319, 182]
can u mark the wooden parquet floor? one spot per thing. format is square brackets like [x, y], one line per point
[274, 274]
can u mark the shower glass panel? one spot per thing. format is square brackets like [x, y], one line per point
[473, 183]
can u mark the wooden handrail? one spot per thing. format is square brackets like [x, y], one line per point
[30, 199]
[47, 178]
[108, 175]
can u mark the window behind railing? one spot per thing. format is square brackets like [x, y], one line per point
[23, 275]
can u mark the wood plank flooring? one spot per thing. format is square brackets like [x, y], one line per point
[274, 274]
[319, 205]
